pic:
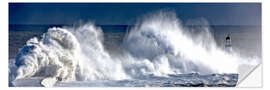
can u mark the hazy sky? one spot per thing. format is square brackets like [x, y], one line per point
[128, 13]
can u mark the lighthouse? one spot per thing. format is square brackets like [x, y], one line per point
[228, 44]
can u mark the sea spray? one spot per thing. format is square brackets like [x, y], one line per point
[158, 45]
[53, 56]
[95, 61]
[68, 54]
[162, 35]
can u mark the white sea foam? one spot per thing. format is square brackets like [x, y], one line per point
[185, 51]
[157, 45]
[68, 54]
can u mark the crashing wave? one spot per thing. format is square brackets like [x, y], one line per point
[158, 45]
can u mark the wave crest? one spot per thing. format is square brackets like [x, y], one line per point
[158, 45]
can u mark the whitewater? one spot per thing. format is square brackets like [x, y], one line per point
[158, 45]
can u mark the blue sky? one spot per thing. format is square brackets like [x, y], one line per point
[128, 13]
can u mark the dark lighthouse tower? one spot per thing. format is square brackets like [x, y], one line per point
[228, 44]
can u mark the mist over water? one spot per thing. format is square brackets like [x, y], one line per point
[159, 45]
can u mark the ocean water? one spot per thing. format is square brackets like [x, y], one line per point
[158, 51]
